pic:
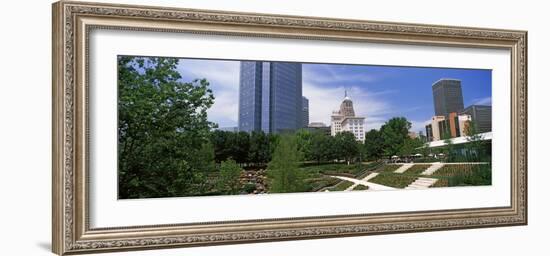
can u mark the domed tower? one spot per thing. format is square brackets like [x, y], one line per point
[346, 107]
[345, 120]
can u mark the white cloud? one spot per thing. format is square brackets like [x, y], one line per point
[417, 126]
[220, 74]
[329, 75]
[225, 108]
[224, 81]
[482, 101]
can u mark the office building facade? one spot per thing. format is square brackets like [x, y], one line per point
[270, 96]
[481, 117]
[305, 112]
[452, 126]
[447, 96]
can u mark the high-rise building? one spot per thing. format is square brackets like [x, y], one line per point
[447, 96]
[270, 96]
[481, 116]
[345, 120]
[305, 112]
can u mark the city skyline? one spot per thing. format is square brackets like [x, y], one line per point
[378, 92]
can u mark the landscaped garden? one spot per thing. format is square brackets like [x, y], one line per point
[417, 169]
[389, 168]
[463, 175]
[391, 179]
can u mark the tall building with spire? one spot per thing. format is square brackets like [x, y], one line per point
[344, 119]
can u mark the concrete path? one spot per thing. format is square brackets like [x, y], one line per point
[421, 183]
[372, 186]
[370, 176]
[434, 167]
[403, 168]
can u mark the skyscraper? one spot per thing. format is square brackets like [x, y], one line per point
[270, 96]
[305, 112]
[447, 94]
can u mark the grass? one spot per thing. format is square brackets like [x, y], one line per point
[320, 182]
[395, 180]
[361, 187]
[440, 183]
[417, 169]
[335, 169]
[455, 169]
[341, 186]
[389, 168]
[463, 175]
[317, 176]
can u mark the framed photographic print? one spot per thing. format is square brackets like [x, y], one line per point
[179, 127]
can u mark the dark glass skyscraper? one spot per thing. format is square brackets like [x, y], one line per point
[270, 96]
[447, 95]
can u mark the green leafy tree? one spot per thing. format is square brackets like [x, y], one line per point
[229, 181]
[347, 146]
[319, 147]
[373, 146]
[221, 143]
[394, 133]
[283, 172]
[476, 146]
[240, 145]
[204, 163]
[410, 146]
[260, 148]
[162, 127]
[303, 139]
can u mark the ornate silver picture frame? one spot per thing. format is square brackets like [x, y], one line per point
[74, 21]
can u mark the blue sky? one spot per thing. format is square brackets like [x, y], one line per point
[378, 92]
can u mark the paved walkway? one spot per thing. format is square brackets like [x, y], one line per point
[372, 186]
[434, 167]
[403, 168]
[370, 176]
[422, 183]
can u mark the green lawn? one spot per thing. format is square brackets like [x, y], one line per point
[396, 180]
[335, 169]
[441, 183]
[463, 175]
[318, 182]
[360, 187]
[317, 177]
[343, 185]
[389, 168]
[417, 169]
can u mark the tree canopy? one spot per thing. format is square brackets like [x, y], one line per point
[162, 127]
[394, 133]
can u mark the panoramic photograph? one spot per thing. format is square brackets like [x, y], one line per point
[206, 127]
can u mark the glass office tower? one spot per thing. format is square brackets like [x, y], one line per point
[447, 94]
[270, 96]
